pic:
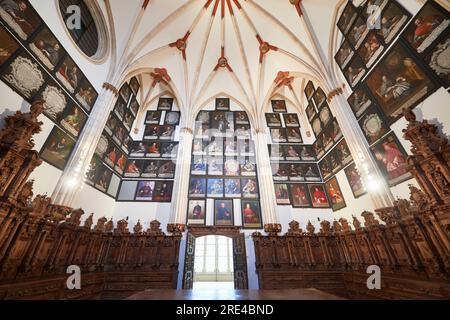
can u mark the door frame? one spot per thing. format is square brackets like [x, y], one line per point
[240, 271]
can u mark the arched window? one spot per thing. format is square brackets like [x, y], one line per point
[91, 36]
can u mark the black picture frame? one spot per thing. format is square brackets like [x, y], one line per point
[222, 104]
[392, 80]
[165, 104]
[57, 140]
[300, 191]
[279, 106]
[228, 209]
[355, 181]
[193, 205]
[251, 209]
[335, 195]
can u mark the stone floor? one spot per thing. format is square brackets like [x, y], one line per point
[225, 291]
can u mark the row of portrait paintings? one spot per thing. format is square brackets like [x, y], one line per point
[218, 166]
[29, 80]
[279, 152]
[163, 118]
[328, 195]
[327, 139]
[118, 132]
[222, 123]
[274, 120]
[224, 213]
[24, 22]
[223, 188]
[279, 106]
[296, 172]
[219, 146]
[367, 36]
[335, 160]
[152, 191]
[283, 135]
[153, 149]
[102, 178]
[112, 154]
[159, 132]
[412, 69]
[150, 169]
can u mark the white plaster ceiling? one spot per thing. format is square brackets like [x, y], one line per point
[237, 26]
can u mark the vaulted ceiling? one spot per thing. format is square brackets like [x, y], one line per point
[214, 47]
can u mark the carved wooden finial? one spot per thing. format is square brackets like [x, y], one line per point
[410, 116]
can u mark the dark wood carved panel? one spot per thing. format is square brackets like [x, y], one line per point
[240, 263]
[189, 259]
[411, 244]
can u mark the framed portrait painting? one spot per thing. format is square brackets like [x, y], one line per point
[223, 212]
[360, 100]
[223, 104]
[196, 212]
[215, 188]
[355, 71]
[282, 194]
[300, 196]
[163, 191]
[427, 26]
[8, 46]
[319, 97]
[278, 135]
[134, 85]
[279, 106]
[309, 90]
[347, 18]
[355, 181]
[344, 55]
[371, 50]
[273, 120]
[318, 196]
[73, 120]
[86, 95]
[335, 195]
[165, 104]
[20, 17]
[399, 82]
[393, 19]
[47, 48]
[392, 159]
[311, 111]
[291, 120]
[232, 188]
[251, 214]
[57, 148]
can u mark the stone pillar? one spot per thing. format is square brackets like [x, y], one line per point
[266, 187]
[371, 175]
[179, 205]
[73, 176]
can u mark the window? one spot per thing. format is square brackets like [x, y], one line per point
[91, 36]
[213, 259]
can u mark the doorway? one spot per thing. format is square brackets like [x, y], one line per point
[215, 257]
[213, 264]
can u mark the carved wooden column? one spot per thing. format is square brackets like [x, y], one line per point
[178, 210]
[266, 187]
[73, 176]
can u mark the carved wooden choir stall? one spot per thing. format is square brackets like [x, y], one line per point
[412, 247]
[39, 240]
